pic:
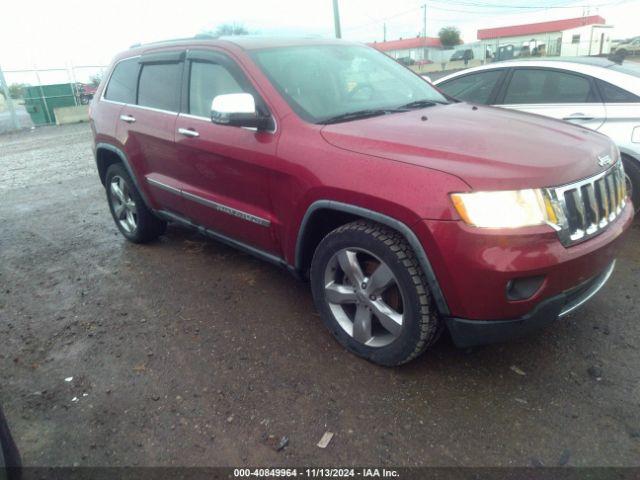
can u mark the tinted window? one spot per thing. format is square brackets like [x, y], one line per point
[207, 80]
[159, 86]
[613, 94]
[547, 86]
[474, 88]
[122, 85]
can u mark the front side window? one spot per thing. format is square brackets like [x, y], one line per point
[324, 82]
[122, 84]
[206, 81]
[531, 86]
[474, 88]
[159, 86]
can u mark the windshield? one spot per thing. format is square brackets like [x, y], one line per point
[324, 82]
[630, 68]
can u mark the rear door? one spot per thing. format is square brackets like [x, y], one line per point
[554, 93]
[227, 169]
[147, 127]
[623, 116]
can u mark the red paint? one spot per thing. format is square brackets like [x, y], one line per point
[399, 165]
[406, 43]
[542, 27]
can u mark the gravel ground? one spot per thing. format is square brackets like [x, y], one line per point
[186, 352]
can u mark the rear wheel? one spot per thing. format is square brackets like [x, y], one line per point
[372, 294]
[134, 220]
[632, 172]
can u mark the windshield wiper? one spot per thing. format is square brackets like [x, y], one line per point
[345, 117]
[421, 104]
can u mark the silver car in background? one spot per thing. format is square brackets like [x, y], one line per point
[593, 92]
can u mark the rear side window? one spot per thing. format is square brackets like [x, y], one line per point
[474, 88]
[159, 86]
[122, 84]
[548, 86]
[207, 80]
[613, 94]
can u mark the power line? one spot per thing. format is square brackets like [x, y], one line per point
[521, 7]
[382, 20]
[482, 9]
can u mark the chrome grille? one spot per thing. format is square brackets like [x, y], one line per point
[585, 208]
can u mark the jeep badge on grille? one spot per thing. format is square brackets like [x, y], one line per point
[604, 160]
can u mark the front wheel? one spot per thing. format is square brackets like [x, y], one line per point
[372, 294]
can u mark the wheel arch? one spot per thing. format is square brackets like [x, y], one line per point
[314, 225]
[630, 154]
[107, 155]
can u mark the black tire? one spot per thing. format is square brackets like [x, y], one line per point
[148, 227]
[632, 170]
[421, 325]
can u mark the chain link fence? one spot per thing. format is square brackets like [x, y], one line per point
[494, 50]
[30, 97]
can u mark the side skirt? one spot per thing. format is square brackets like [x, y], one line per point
[256, 252]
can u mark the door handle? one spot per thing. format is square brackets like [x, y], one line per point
[578, 116]
[127, 118]
[188, 132]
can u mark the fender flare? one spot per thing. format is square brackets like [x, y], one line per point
[397, 225]
[127, 165]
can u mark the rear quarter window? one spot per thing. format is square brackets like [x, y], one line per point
[612, 94]
[122, 84]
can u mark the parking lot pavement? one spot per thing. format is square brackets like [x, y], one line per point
[186, 352]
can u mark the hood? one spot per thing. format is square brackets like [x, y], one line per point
[489, 148]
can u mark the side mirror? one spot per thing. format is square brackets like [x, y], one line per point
[239, 110]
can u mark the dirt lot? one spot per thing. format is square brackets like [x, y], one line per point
[186, 352]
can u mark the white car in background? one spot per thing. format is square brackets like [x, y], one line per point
[592, 92]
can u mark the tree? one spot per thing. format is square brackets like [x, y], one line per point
[16, 90]
[94, 80]
[449, 36]
[227, 29]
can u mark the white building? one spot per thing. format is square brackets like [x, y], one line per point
[570, 37]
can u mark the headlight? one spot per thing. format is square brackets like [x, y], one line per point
[506, 209]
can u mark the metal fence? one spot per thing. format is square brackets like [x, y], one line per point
[487, 51]
[29, 97]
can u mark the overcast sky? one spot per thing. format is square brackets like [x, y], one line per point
[47, 33]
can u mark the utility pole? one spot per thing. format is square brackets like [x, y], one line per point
[424, 20]
[384, 32]
[336, 19]
[10, 106]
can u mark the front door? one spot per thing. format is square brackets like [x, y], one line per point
[227, 169]
[554, 93]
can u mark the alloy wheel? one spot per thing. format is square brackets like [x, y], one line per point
[124, 207]
[364, 296]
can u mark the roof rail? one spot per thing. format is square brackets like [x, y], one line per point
[199, 36]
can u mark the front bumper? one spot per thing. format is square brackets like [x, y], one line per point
[474, 266]
[468, 333]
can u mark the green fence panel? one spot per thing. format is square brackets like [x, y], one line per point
[55, 96]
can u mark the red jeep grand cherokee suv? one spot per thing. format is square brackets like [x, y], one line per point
[407, 210]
